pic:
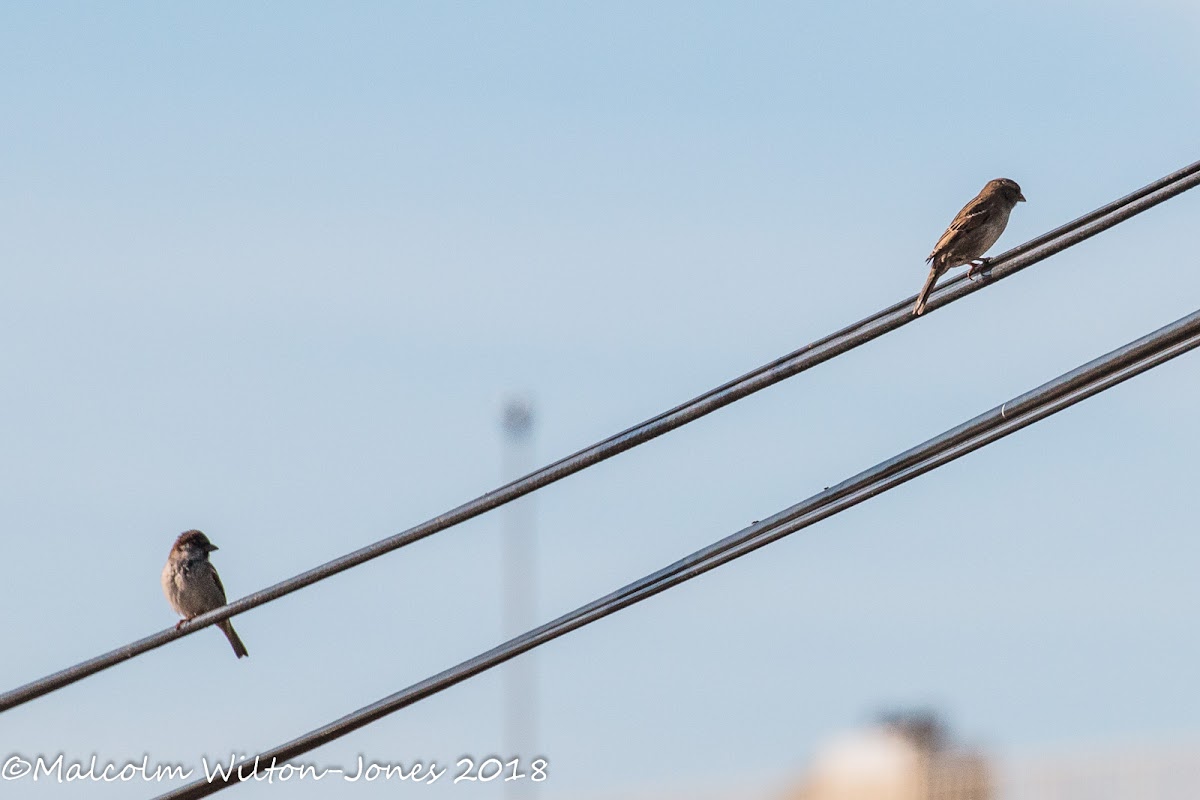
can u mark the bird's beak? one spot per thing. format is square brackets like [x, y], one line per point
[1020, 198]
[212, 547]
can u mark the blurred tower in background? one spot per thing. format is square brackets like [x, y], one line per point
[520, 596]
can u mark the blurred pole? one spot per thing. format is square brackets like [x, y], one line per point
[520, 597]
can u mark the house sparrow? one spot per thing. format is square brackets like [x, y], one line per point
[192, 585]
[973, 231]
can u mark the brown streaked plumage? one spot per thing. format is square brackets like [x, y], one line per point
[192, 585]
[973, 231]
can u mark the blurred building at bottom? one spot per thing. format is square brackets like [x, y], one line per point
[906, 757]
[911, 757]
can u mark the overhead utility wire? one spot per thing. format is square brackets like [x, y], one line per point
[767, 375]
[1068, 389]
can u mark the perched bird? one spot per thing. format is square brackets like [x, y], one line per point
[192, 585]
[973, 231]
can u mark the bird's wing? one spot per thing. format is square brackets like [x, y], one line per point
[217, 580]
[973, 215]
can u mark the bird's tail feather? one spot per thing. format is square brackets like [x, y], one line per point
[238, 648]
[934, 274]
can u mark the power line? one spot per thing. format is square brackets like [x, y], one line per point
[822, 350]
[1064, 391]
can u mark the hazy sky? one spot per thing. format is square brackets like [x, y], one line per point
[271, 270]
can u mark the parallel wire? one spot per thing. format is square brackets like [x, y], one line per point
[822, 350]
[1068, 389]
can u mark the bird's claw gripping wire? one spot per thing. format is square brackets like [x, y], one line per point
[980, 267]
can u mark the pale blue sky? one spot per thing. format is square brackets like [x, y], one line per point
[271, 271]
